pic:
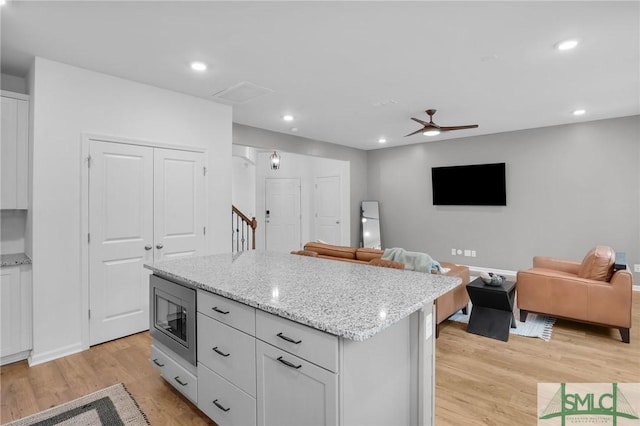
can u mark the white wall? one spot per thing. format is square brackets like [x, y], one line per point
[14, 84]
[357, 159]
[243, 185]
[67, 102]
[12, 230]
[306, 168]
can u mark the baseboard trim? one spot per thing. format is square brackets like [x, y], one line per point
[15, 357]
[475, 270]
[35, 359]
[511, 275]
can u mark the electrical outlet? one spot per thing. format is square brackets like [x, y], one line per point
[467, 253]
[473, 253]
[453, 252]
[636, 267]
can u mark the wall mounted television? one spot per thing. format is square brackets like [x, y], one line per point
[469, 185]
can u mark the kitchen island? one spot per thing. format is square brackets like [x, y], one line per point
[286, 339]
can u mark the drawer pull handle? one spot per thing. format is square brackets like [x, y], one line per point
[219, 352]
[220, 311]
[288, 364]
[177, 379]
[220, 406]
[288, 339]
[155, 361]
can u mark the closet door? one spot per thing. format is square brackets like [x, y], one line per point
[179, 203]
[145, 204]
[120, 239]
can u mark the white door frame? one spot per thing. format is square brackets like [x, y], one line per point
[85, 143]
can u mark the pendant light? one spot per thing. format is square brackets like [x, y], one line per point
[275, 161]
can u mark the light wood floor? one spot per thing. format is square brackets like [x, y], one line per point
[479, 381]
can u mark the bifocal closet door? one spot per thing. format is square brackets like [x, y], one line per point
[179, 203]
[120, 239]
[145, 204]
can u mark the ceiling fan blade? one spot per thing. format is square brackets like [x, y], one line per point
[424, 123]
[416, 132]
[448, 128]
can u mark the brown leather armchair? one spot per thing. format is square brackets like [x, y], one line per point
[589, 291]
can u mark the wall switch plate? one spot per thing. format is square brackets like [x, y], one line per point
[453, 252]
[467, 252]
[636, 267]
[473, 253]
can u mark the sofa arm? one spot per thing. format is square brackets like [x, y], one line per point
[611, 303]
[570, 266]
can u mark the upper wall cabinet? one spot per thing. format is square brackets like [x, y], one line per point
[14, 152]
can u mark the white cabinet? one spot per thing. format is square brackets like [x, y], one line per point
[14, 151]
[15, 313]
[174, 372]
[292, 391]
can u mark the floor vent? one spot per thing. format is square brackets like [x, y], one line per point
[242, 92]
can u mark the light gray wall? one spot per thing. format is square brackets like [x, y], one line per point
[14, 84]
[568, 188]
[260, 138]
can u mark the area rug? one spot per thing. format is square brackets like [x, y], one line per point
[113, 406]
[539, 326]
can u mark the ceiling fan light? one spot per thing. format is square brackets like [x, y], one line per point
[431, 133]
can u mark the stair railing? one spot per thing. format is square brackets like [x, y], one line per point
[242, 228]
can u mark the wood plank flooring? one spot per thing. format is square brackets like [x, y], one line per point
[479, 381]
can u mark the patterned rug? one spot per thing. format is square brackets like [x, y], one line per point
[538, 326]
[113, 406]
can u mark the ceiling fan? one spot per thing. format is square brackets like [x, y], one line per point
[432, 129]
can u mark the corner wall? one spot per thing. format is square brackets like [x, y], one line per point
[70, 101]
[266, 139]
[568, 188]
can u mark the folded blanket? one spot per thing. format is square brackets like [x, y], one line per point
[413, 261]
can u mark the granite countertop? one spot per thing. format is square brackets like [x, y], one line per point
[346, 299]
[15, 259]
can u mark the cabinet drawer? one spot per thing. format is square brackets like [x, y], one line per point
[313, 345]
[176, 375]
[222, 402]
[229, 352]
[232, 313]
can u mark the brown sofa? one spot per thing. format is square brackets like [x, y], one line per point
[589, 291]
[446, 305]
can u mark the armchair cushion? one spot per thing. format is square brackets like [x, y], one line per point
[598, 264]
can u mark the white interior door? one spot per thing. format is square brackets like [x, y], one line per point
[178, 203]
[282, 215]
[328, 209]
[121, 239]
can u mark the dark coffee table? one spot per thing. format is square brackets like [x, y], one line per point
[492, 310]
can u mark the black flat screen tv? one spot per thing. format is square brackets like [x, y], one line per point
[470, 185]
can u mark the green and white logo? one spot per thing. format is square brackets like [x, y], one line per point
[614, 404]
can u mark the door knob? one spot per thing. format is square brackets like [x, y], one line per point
[159, 246]
[148, 247]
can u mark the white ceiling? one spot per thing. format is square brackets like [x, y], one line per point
[337, 65]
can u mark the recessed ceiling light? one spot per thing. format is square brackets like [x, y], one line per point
[579, 112]
[3, 2]
[431, 133]
[567, 44]
[382, 140]
[198, 66]
[294, 129]
[287, 117]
